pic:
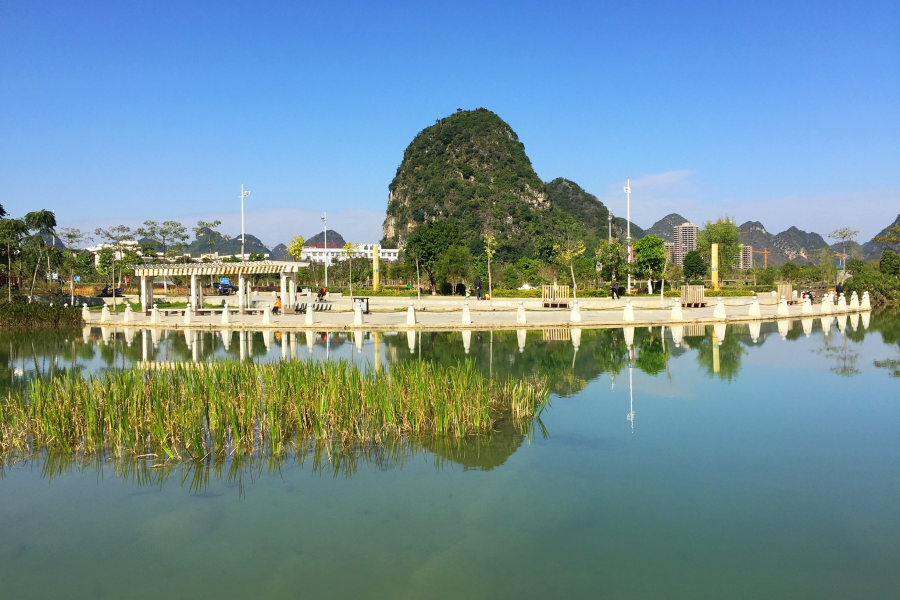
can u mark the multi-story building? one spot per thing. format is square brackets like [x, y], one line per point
[685, 241]
[332, 255]
[670, 251]
[745, 260]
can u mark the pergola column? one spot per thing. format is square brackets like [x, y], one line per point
[292, 292]
[193, 297]
[146, 293]
[285, 301]
[241, 292]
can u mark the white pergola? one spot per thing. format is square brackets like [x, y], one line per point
[287, 270]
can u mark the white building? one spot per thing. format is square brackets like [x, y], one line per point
[117, 254]
[365, 251]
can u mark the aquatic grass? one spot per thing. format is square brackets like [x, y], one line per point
[188, 411]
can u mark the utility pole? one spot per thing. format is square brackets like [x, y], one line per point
[628, 233]
[243, 195]
[325, 226]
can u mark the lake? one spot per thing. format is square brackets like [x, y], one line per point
[730, 462]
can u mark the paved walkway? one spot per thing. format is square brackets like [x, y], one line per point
[396, 320]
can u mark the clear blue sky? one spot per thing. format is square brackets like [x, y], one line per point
[117, 112]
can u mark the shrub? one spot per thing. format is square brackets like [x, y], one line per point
[890, 263]
[883, 289]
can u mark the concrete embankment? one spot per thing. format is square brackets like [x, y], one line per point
[392, 314]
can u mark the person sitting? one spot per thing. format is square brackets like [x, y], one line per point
[276, 309]
[321, 295]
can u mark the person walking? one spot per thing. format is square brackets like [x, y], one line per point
[478, 287]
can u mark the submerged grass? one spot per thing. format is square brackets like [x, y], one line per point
[245, 409]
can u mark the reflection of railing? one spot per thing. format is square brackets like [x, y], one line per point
[556, 335]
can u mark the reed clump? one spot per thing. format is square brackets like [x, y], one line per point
[194, 411]
[23, 314]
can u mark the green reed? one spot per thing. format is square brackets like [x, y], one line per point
[188, 411]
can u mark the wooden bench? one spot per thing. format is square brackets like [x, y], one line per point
[555, 296]
[693, 296]
[786, 290]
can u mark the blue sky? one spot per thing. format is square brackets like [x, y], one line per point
[783, 112]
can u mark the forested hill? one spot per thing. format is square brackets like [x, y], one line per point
[470, 169]
[568, 198]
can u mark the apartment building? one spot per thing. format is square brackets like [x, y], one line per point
[685, 241]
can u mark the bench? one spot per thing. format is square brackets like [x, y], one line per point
[693, 296]
[555, 296]
[316, 307]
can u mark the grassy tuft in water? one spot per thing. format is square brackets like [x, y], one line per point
[242, 409]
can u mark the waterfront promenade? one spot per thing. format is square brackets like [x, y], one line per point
[440, 313]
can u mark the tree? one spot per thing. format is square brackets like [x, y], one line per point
[845, 235]
[295, 248]
[613, 260]
[892, 237]
[694, 266]
[790, 272]
[889, 263]
[650, 257]
[207, 230]
[428, 242]
[11, 233]
[455, 265]
[42, 223]
[568, 248]
[727, 235]
[347, 252]
[490, 248]
[168, 235]
[74, 239]
[115, 236]
[673, 273]
[825, 260]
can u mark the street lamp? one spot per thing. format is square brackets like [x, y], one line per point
[325, 225]
[609, 217]
[628, 232]
[243, 195]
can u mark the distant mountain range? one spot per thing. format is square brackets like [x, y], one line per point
[793, 244]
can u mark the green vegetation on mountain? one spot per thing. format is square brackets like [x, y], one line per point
[568, 198]
[469, 169]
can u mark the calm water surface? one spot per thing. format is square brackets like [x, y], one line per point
[721, 466]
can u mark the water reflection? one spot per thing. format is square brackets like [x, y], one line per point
[482, 452]
[570, 358]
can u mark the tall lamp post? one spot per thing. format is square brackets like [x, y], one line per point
[628, 233]
[609, 217]
[243, 195]
[325, 226]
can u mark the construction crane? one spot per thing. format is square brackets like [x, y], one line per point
[765, 253]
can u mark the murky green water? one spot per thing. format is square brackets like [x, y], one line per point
[720, 467]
